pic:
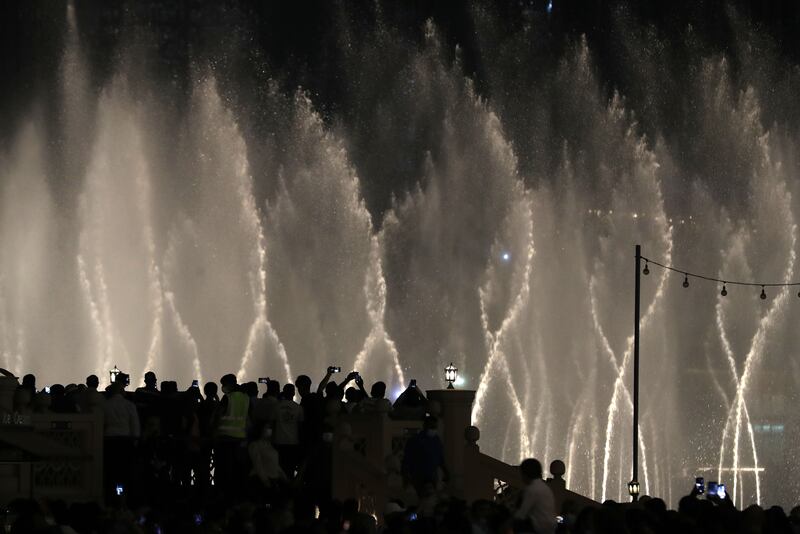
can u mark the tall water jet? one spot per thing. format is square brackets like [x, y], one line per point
[439, 237]
[321, 244]
[117, 252]
[27, 240]
[219, 240]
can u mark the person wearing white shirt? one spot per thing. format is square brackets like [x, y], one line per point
[264, 459]
[537, 508]
[121, 418]
[121, 429]
[287, 431]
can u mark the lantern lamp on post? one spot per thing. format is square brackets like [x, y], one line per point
[113, 373]
[633, 489]
[450, 374]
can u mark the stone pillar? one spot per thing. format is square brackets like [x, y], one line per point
[8, 386]
[455, 416]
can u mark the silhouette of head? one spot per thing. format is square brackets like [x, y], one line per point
[169, 387]
[29, 381]
[333, 391]
[352, 395]
[150, 380]
[119, 383]
[210, 390]
[531, 469]
[378, 390]
[251, 388]
[228, 383]
[123, 379]
[273, 389]
[288, 391]
[92, 382]
[303, 384]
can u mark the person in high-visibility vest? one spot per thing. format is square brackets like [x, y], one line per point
[231, 432]
[235, 404]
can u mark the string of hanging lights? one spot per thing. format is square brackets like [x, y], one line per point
[725, 282]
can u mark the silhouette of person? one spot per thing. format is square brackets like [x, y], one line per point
[536, 512]
[311, 403]
[231, 432]
[150, 382]
[411, 404]
[29, 383]
[121, 430]
[265, 460]
[423, 457]
[377, 401]
[89, 398]
[287, 431]
[265, 409]
[207, 412]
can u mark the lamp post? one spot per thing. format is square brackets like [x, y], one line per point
[450, 374]
[113, 373]
[633, 489]
[633, 485]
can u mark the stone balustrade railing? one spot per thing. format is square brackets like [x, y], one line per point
[58, 456]
[366, 458]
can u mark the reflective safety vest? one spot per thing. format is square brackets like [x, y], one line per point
[234, 422]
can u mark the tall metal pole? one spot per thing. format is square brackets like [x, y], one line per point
[635, 479]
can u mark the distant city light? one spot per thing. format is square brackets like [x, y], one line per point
[550, 6]
[505, 256]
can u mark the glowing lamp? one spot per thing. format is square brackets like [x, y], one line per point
[450, 374]
[633, 489]
[113, 374]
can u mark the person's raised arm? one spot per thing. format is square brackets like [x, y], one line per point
[350, 377]
[324, 381]
[360, 384]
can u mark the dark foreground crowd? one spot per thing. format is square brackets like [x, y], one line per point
[294, 513]
[185, 461]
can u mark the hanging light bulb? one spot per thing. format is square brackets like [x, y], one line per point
[646, 269]
[685, 280]
[724, 291]
[763, 294]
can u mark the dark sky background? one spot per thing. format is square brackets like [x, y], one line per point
[299, 44]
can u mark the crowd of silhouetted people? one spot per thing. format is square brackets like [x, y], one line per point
[226, 441]
[226, 459]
